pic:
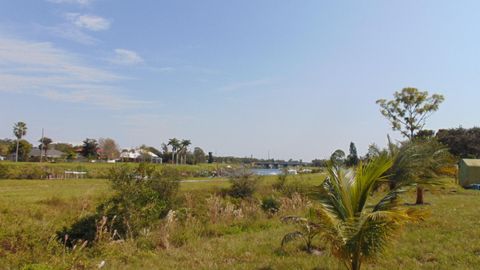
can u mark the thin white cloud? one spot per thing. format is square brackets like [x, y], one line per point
[126, 57]
[39, 68]
[87, 21]
[79, 2]
[70, 32]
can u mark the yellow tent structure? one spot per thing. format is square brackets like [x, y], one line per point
[469, 172]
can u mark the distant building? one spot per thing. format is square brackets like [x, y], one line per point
[139, 155]
[469, 172]
[35, 153]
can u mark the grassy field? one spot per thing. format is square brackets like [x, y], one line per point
[32, 211]
[38, 170]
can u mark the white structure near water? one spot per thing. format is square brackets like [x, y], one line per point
[139, 155]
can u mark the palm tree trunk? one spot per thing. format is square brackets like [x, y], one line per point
[356, 263]
[16, 152]
[419, 195]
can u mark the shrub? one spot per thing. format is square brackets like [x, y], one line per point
[84, 229]
[270, 205]
[143, 196]
[244, 184]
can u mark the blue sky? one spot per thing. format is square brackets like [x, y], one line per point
[296, 79]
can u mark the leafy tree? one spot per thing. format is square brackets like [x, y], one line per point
[425, 134]
[198, 155]
[22, 149]
[409, 109]
[355, 232]
[108, 148]
[5, 146]
[90, 148]
[463, 143]
[373, 152]
[19, 130]
[352, 158]
[338, 157]
[44, 145]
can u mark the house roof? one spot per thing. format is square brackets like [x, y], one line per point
[136, 153]
[52, 153]
[472, 162]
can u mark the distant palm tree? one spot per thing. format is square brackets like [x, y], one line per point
[355, 232]
[44, 144]
[175, 144]
[19, 130]
[184, 144]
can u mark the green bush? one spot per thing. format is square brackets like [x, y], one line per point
[270, 205]
[244, 184]
[83, 229]
[142, 196]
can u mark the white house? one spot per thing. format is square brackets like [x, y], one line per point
[139, 154]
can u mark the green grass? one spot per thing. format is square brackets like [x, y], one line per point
[37, 170]
[32, 211]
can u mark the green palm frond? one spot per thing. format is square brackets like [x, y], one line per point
[291, 237]
[354, 232]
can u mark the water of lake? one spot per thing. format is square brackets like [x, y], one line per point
[267, 171]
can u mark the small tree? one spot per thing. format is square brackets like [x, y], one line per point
[108, 148]
[352, 158]
[355, 232]
[89, 148]
[338, 157]
[22, 149]
[198, 155]
[210, 157]
[463, 143]
[5, 146]
[409, 109]
[307, 230]
[19, 130]
[243, 185]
